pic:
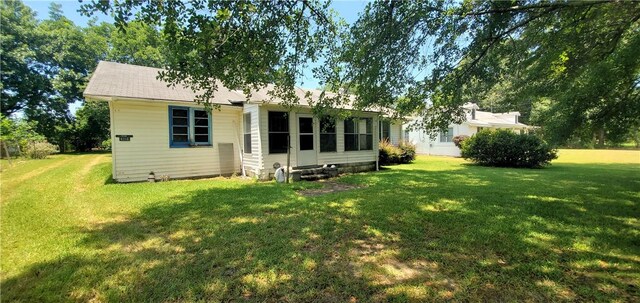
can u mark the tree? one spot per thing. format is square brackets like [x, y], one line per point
[139, 44]
[22, 85]
[91, 125]
[17, 134]
[240, 44]
[579, 57]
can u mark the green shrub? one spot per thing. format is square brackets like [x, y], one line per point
[405, 152]
[408, 152]
[507, 149]
[39, 150]
[388, 153]
[106, 144]
[457, 140]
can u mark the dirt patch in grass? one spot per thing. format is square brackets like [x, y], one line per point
[328, 188]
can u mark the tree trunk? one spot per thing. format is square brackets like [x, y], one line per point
[286, 172]
[6, 150]
[601, 137]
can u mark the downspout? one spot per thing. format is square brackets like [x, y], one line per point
[240, 150]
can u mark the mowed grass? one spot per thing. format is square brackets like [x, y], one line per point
[438, 229]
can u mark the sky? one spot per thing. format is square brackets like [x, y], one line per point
[348, 9]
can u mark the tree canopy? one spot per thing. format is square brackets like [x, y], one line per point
[241, 44]
[571, 67]
[569, 64]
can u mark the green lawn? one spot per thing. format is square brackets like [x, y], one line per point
[436, 229]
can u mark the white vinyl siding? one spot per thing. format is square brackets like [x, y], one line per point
[253, 161]
[395, 133]
[149, 150]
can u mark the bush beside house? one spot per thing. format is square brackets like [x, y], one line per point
[457, 140]
[390, 154]
[507, 149]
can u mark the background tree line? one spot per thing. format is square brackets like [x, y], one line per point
[46, 64]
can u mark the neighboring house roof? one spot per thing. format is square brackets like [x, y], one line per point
[488, 119]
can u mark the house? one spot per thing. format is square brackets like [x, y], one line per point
[476, 120]
[160, 129]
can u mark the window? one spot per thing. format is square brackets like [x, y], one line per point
[306, 133]
[278, 132]
[473, 114]
[366, 134]
[328, 135]
[447, 136]
[350, 134]
[189, 127]
[385, 130]
[247, 132]
[358, 134]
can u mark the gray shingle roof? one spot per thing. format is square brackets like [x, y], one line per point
[113, 80]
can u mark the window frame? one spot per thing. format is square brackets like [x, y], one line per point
[306, 135]
[270, 132]
[191, 127]
[354, 134]
[246, 133]
[448, 138]
[324, 133]
[357, 134]
[381, 130]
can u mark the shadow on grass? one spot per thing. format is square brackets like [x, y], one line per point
[565, 233]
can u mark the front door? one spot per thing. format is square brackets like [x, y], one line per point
[306, 142]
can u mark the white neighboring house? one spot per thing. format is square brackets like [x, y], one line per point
[160, 129]
[477, 120]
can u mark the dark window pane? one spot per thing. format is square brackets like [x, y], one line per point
[366, 142]
[180, 138]
[201, 130]
[247, 123]
[368, 125]
[306, 142]
[201, 122]
[385, 133]
[202, 138]
[350, 126]
[350, 142]
[178, 112]
[180, 130]
[200, 114]
[278, 122]
[278, 132]
[327, 125]
[306, 125]
[278, 143]
[179, 121]
[327, 142]
[247, 143]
